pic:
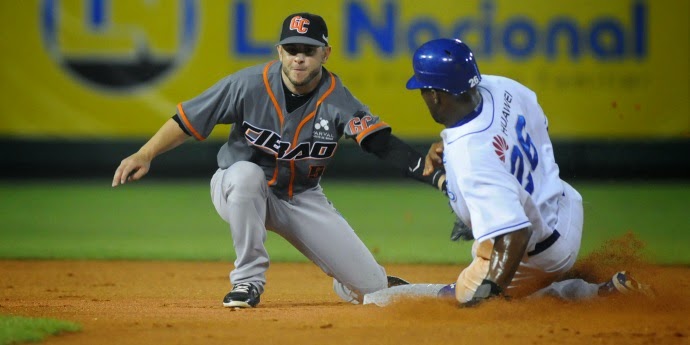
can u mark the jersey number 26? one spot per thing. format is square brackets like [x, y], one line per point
[518, 154]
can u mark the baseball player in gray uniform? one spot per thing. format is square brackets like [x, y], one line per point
[287, 118]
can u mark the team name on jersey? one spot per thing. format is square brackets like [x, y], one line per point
[270, 142]
[507, 99]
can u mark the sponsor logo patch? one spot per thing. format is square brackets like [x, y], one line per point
[322, 130]
[500, 147]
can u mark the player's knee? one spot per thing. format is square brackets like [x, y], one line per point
[470, 278]
[244, 176]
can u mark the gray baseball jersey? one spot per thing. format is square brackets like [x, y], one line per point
[293, 149]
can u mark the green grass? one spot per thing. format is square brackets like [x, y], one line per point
[16, 329]
[399, 222]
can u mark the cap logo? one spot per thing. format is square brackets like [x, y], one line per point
[299, 24]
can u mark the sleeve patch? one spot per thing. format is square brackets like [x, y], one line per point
[360, 124]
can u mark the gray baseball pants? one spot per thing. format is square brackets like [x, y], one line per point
[308, 221]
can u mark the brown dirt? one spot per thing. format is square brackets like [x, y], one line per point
[123, 302]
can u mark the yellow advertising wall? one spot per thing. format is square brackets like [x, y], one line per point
[602, 69]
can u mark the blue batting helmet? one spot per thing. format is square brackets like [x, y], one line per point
[445, 64]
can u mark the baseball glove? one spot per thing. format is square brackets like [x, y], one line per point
[487, 290]
[461, 231]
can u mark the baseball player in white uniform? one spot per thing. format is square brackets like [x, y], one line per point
[287, 118]
[503, 182]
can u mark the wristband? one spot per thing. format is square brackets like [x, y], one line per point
[436, 176]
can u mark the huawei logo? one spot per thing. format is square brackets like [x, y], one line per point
[501, 147]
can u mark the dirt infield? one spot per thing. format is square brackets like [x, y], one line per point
[180, 303]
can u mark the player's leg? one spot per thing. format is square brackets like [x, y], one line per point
[570, 222]
[239, 194]
[385, 297]
[311, 224]
[538, 271]
[471, 277]
[573, 220]
[528, 278]
[535, 272]
[570, 290]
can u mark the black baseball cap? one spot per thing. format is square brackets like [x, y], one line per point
[304, 28]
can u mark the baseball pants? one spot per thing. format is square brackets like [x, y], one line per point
[309, 222]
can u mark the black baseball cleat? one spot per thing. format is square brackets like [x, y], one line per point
[395, 281]
[243, 295]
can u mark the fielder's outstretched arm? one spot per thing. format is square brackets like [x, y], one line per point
[388, 147]
[134, 167]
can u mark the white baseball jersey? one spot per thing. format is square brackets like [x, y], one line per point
[501, 171]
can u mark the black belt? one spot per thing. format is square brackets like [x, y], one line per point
[545, 244]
